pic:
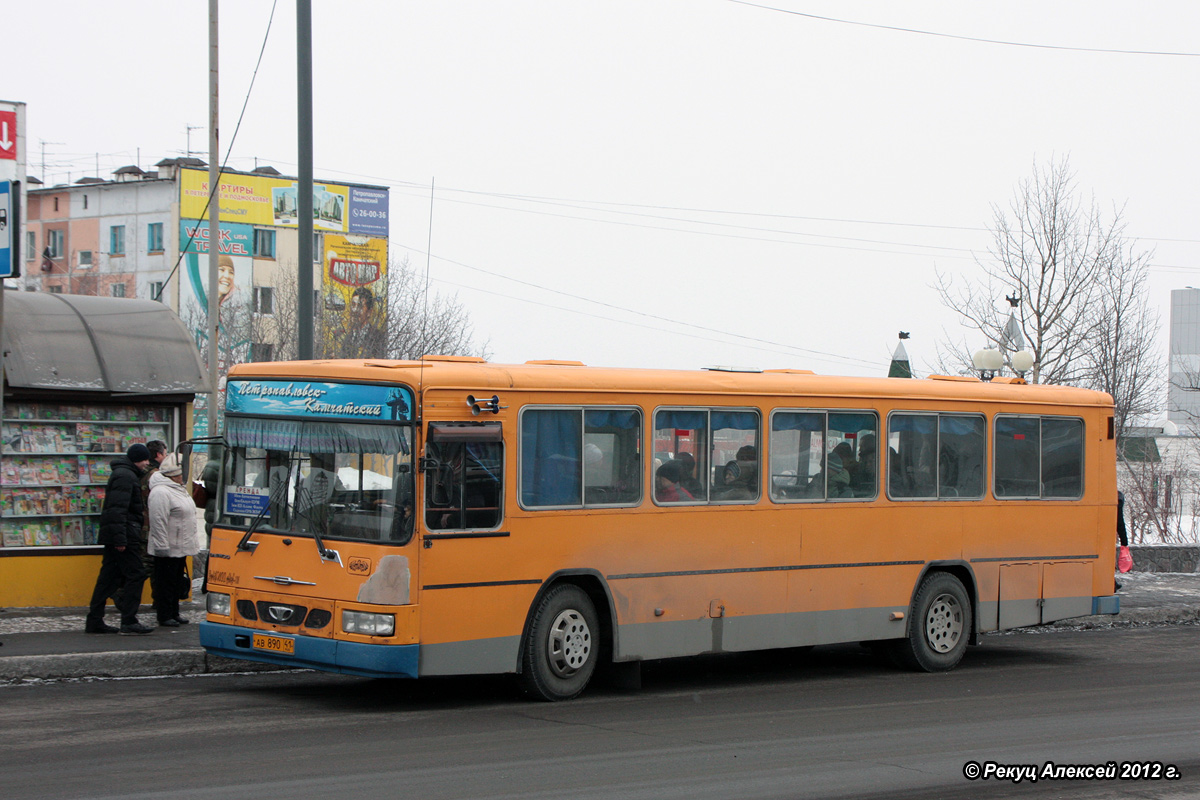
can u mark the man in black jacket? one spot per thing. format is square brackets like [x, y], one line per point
[120, 533]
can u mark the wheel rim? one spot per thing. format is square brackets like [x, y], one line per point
[944, 623]
[570, 643]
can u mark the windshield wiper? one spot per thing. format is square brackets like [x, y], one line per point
[316, 523]
[273, 498]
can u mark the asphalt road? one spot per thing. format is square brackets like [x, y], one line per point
[829, 723]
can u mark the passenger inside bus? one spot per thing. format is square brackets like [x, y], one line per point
[317, 491]
[667, 488]
[733, 484]
[862, 481]
[845, 451]
[747, 458]
[687, 465]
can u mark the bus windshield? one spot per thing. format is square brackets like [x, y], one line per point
[338, 480]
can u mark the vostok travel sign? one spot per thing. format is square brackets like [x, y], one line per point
[313, 399]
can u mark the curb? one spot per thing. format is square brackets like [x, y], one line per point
[124, 664]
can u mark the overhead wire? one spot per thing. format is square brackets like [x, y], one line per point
[660, 318]
[212, 190]
[782, 348]
[981, 40]
[417, 190]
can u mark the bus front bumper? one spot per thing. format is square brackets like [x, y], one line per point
[1110, 604]
[310, 652]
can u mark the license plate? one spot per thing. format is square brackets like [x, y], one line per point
[276, 644]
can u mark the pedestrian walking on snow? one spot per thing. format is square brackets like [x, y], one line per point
[121, 535]
[172, 539]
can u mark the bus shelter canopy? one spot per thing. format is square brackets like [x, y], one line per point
[101, 344]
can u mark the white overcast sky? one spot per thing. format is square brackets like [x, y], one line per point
[662, 183]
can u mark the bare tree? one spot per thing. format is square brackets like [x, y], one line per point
[403, 321]
[1121, 354]
[420, 323]
[1162, 496]
[1081, 287]
[1048, 250]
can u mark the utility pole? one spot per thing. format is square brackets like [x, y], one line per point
[304, 282]
[214, 212]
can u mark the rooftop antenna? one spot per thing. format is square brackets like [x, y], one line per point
[44, 143]
[190, 128]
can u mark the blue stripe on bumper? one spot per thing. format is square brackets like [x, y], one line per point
[329, 655]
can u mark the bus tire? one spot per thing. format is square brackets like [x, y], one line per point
[940, 626]
[561, 646]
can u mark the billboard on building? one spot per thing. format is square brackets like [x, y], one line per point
[235, 267]
[355, 278]
[265, 200]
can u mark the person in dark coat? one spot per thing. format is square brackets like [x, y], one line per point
[121, 567]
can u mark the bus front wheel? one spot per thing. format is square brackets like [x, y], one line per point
[940, 626]
[561, 648]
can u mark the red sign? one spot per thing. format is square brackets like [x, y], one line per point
[354, 272]
[8, 134]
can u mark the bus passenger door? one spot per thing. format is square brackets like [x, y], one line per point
[463, 554]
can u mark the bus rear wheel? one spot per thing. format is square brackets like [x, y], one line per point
[561, 646]
[940, 626]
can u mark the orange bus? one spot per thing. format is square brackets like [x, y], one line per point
[451, 516]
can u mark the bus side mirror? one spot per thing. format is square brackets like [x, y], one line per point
[185, 460]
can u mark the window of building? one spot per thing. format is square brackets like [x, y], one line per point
[116, 240]
[54, 243]
[85, 201]
[936, 456]
[264, 243]
[54, 289]
[262, 351]
[85, 259]
[157, 289]
[154, 237]
[30, 245]
[706, 455]
[117, 290]
[575, 457]
[1038, 457]
[264, 300]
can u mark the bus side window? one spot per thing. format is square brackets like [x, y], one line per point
[464, 485]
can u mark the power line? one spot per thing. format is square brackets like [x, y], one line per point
[966, 38]
[791, 351]
[212, 190]
[418, 190]
[634, 312]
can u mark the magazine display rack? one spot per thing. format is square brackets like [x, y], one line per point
[54, 463]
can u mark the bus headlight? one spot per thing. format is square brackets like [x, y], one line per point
[368, 624]
[218, 603]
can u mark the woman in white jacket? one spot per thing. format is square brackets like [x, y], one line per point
[172, 538]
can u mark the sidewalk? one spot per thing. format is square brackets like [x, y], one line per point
[49, 643]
